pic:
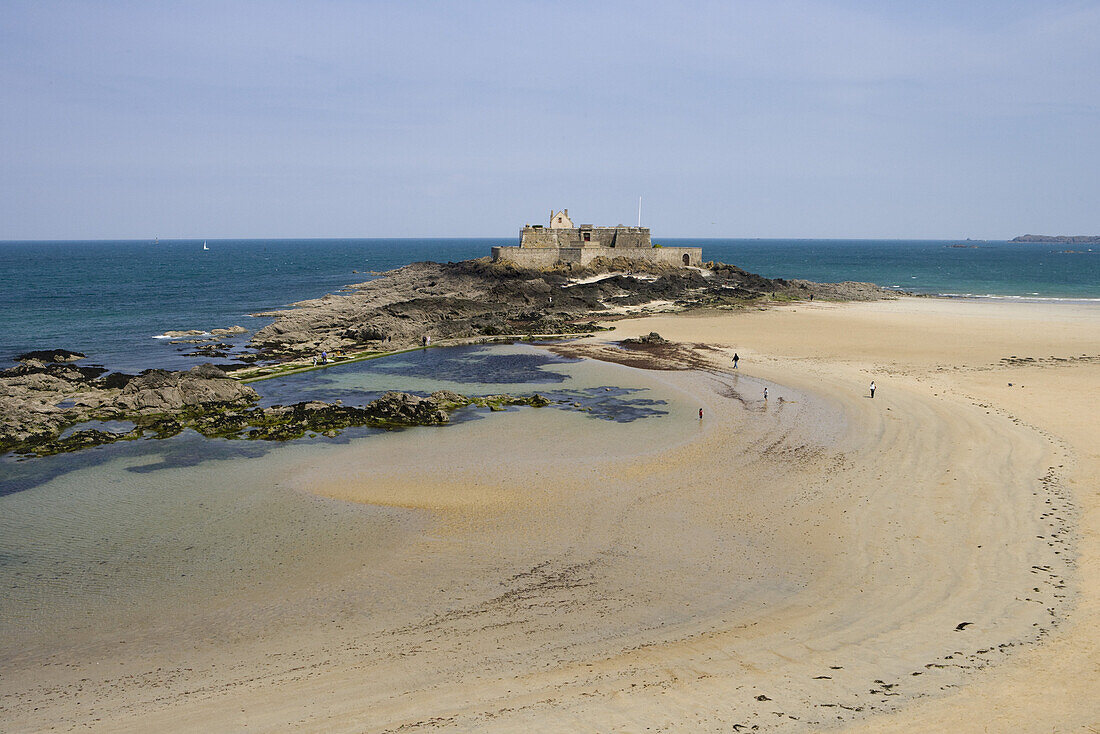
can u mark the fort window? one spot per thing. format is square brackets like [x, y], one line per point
[687, 260]
[587, 236]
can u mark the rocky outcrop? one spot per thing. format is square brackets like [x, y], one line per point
[481, 298]
[404, 409]
[26, 420]
[38, 402]
[161, 391]
[848, 290]
[651, 338]
[32, 395]
[231, 331]
[176, 334]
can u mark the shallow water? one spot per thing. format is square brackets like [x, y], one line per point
[166, 533]
[136, 542]
[599, 391]
[515, 369]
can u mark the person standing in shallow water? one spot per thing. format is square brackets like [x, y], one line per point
[872, 389]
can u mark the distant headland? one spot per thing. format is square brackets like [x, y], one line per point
[1061, 239]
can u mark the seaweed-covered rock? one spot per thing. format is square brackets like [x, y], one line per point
[35, 428]
[448, 400]
[499, 402]
[405, 409]
[162, 426]
[82, 440]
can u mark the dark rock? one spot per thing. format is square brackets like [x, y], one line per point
[651, 338]
[51, 355]
[217, 351]
[65, 372]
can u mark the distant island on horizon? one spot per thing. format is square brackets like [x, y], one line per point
[1062, 239]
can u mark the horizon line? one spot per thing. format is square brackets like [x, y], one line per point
[501, 237]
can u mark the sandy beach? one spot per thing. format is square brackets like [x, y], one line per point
[925, 560]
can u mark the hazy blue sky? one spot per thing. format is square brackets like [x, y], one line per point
[731, 119]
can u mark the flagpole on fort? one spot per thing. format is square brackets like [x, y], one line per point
[639, 211]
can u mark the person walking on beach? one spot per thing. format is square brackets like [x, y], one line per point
[765, 393]
[700, 414]
[872, 389]
[314, 360]
[324, 357]
[735, 358]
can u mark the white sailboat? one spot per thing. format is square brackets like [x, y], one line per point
[204, 245]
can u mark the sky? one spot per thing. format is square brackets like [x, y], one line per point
[778, 119]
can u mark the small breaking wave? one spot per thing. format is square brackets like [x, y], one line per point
[1026, 298]
[182, 334]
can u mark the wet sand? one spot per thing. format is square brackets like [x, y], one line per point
[927, 559]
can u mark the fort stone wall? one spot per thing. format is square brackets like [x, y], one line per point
[584, 236]
[564, 242]
[527, 257]
[545, 257]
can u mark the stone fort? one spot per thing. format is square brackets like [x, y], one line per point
[563, 242]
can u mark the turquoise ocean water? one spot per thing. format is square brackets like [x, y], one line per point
[110, 299]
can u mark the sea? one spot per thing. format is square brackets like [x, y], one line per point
[114, 300]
